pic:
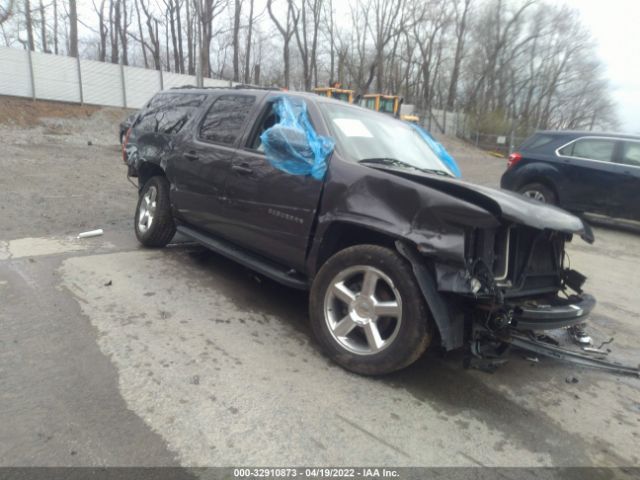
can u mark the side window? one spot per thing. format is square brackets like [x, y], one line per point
[631, 153]
[370, 103]
[224, 120]
[169, 114]
[269, 119]
[591, 149]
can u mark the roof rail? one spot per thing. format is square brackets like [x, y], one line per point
[191, 86]
[235, 87]
[254, 87]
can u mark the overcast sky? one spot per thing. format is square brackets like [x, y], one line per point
[615, 26]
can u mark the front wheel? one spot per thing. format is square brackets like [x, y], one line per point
[367, 311]
[154, 222]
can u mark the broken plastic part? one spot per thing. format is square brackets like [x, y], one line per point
[92, 233]
[439, 150]
[292, 145]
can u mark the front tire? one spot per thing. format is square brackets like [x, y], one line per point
[367, 312]
[154, 222]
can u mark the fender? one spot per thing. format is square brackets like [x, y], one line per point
[450, 321]
[542, 172]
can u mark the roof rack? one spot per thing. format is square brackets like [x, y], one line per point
[254, 87]
[235, 87]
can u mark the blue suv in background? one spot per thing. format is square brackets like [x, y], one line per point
[583, 172]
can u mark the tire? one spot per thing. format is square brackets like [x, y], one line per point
[153, 221]
[540, 192]
[344, 320]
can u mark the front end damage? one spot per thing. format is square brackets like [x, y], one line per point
[504, 267]
[518, 276]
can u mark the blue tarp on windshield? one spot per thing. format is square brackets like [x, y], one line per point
[446, 158]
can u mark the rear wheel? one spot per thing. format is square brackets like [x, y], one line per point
[539, 192]
[367, 311]
[154, 222]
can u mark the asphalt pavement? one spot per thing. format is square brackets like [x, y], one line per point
[116, 355]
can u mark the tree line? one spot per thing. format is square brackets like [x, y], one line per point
[528, 63]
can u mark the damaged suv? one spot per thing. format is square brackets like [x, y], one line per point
[354, 206]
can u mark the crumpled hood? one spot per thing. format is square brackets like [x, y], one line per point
[502, 203]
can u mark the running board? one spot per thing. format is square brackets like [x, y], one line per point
[266, 267]
[558, 353]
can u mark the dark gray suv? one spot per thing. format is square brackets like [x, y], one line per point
[354, 206]
[584, 172]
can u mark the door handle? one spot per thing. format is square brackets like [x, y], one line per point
[191, 156]
[243, 168]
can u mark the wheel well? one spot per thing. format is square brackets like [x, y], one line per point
[339, 236]
[146, 171]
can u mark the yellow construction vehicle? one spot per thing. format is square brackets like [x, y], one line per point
[386, 104]
[381, 103]
[338, 93]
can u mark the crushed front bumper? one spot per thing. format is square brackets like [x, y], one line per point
[549, 314]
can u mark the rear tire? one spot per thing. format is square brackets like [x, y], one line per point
[153, 221]
[367, 311]
[540, 192]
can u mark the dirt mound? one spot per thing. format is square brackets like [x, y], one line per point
[21, 120]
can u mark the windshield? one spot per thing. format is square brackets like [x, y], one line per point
[366, 136]
[387, 105]
[341, 96]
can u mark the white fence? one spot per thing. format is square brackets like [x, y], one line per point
[55, 77]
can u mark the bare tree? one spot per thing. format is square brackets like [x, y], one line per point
[102, 31]
[6, 11]
[73, 29]
[28, 21]
[154, 35]
[55, 27]
[461, 13]
[247, 53]
[236, 39]
[388, 22]
[207, 11]
[306, 27]
[286, 30]
[43, 28]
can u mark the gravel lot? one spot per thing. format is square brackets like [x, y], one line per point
[116, 355]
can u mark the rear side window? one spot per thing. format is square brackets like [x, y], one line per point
[631, 153]
[590, 148]
[537, 141]
[168, 113]
[224, 120]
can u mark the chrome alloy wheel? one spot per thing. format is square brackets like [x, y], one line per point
[363, 310]
[147, 209]
[535, 195]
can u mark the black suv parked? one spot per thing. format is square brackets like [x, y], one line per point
[354, 206]
[584, 172]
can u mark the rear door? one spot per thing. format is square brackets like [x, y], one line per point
[590, 175]
[272, 212]
[205, 156]
[629, 186]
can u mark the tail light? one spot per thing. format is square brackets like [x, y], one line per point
[124, 145]
[514, 158]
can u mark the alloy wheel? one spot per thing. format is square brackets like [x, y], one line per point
[363, 310]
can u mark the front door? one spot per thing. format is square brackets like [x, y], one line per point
[272, 211]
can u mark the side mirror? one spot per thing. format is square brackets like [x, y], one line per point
[287, 143]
